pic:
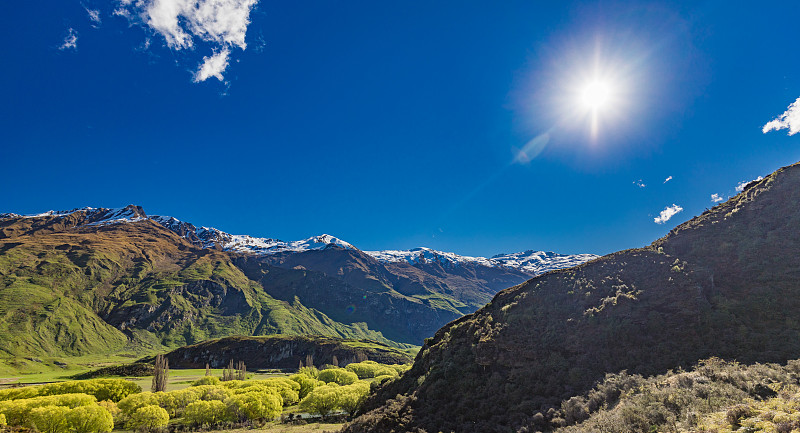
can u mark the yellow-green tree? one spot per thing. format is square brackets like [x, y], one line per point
[148, 418]
[307, 384]
[338, 375]
[206, 412]
[254, 405]
[50, 419]
[90, 419]
[351, 397]
[322, 400]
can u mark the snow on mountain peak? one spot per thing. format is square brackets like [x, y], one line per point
[94, 216]
[533, 262]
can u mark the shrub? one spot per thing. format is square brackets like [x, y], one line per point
[18, 412]
[90, 419]
[254, 406]
[130, 404]
[351, 397]
[338, 375]
[149, 418]
[310, 371]
[322, 400]
[210, 392]
[50, 419]
[3, 420]
[102, 389]
[307, 384]
[205, 412]
[365, 369]
[206, 380]
[112, 409]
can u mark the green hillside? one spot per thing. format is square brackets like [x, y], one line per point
[724, 284]
[134, 288]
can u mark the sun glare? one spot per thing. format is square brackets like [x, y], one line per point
[596, 95]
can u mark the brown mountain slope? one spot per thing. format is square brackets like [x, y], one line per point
[726, 284]
[69, 289]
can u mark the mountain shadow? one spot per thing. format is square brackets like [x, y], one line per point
[724, 284]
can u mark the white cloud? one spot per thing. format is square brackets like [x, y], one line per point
[70, 41]
[219, 23]
[639, 183]
[668, 179]
[716, 198]
[742, 184]
[667, 213]
[790, 120]
[212, 66]
[94, 16]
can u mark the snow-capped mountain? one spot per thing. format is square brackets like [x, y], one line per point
[92, 216]
[533, 262]
[530, 262]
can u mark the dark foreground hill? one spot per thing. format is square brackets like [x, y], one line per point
[725, 284]
[282, 352]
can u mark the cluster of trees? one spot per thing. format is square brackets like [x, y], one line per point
[341, 389]
[65, 407]
[101, 389]
[98, 405]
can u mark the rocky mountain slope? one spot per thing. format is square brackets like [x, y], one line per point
[726, 284]
[107, 280]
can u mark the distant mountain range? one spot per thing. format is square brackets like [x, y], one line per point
[95, 279]
[723, 284]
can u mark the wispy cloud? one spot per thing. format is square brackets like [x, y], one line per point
[668, 179]
[213, 66]
[94, 16]
[667, 213]
[716, 198]
[639, 183]
[70, 41]
[742, 184]
[222, 24]
[790, 119]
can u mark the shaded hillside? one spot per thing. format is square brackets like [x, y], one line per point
[282, 352]
[360, 290]
[71, 286]
[725, 284]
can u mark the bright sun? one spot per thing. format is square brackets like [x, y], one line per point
[597, 95]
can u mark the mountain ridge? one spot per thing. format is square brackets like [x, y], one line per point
[723, 284]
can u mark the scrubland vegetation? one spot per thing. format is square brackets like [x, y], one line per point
[716, 396]
[100, 405]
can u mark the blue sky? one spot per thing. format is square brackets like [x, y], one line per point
[397, 125]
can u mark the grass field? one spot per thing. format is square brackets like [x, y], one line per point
[178, 379]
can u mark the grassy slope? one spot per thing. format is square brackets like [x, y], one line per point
[723, 284]
[130, 289]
